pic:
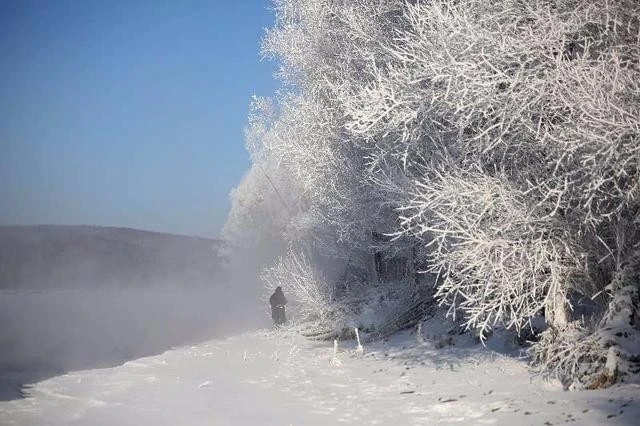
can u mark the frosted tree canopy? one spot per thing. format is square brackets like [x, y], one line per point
[475, 158]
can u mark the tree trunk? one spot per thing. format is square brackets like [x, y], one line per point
[556, 312]
[373, 269]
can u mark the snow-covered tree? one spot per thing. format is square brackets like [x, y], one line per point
[493, 144]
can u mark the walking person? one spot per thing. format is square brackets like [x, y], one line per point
[277, 301]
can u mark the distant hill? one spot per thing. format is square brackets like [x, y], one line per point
[51, 256]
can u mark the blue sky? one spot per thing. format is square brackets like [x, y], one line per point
[127, 113]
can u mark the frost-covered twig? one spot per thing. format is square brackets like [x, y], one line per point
[359, 349]
[334, 361]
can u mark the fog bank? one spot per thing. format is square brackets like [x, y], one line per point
[77, 297]
[45, 333]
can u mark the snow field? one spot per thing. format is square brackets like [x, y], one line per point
[277, 378]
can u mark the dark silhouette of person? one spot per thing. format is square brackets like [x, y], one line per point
[277, 301]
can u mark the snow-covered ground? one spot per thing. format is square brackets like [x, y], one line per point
[267, 378]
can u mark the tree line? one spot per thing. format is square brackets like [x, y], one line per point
[475, 157]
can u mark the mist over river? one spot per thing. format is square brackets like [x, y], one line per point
[46, 332]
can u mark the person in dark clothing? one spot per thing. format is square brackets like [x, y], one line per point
[277, 301]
